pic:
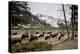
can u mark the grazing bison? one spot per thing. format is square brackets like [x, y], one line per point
[47, 37]
[14, 41]
[61, 35]
[33, 38]
[41, 35]
[15, 33]
[43, 32]
[49, 32]
[54, 35]
[76, 34]
[37, 33]
[26, 35]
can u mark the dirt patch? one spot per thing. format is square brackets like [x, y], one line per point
[69, 44]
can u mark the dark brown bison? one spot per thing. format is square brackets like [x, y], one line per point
[76, 34]
[41, 35]
[33, 38]
[15, 33]
[61, 35]
[26, 35]
[47, 37]
[14, 41]
[49, 32]
[37, 33]
[54, 35]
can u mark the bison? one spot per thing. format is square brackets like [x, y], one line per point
[15, 33]
[49, 32]
[14, 41]
[54, 35]
[76, 34]
[26, 35]
[33, 38]
[47, 37]
[37, 33]
[41, 35]
[61, 35]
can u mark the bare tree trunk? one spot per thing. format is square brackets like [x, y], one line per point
[65, 20]
[72, 23]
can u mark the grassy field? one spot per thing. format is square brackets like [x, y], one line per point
[41, 44]
[31, 46]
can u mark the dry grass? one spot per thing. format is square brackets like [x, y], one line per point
[31, 46]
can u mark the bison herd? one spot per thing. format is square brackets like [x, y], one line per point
[36, 36]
